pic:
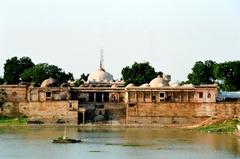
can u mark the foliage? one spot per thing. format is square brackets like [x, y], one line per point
[14, 67]
[202, 73]
[1, 80]
[80, 81]
[40, 72]
[13, 121]
[225, 126]
[229, 74]
[139, 73]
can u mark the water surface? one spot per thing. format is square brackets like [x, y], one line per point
[117, 143]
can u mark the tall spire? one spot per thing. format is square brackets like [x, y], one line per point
[101, 59]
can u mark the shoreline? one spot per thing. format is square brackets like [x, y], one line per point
[95, 126]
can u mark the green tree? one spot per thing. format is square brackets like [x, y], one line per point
[14, 67]
[202, 73]
[229, 75]
[81, 80]
[40, 72]
[1, 80]
[139, 73]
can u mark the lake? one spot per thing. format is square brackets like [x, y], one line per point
[117, 143]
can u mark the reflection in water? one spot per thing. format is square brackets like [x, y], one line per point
[128, 143]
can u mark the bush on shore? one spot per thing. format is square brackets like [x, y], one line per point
[221, 127]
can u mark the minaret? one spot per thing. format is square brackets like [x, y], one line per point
[101, 60]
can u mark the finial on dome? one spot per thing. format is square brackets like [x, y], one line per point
[101, 59]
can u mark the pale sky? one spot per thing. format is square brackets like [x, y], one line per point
[171, 34]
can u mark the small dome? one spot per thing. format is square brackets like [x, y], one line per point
[50, 82]
[100, 75]
[144, 85]
[159, 82]
[175, 84]
[130, 85]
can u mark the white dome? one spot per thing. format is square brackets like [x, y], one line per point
[130, 85]
[49, 82]
[100, 75]
[144, 85]
[159, 82]
[175, 84]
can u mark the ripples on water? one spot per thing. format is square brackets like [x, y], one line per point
[128, 143]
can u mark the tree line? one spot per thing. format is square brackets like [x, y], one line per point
[22, 69]
[226, 74]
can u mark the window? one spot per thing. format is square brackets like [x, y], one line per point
[70, 104]
[147, 96]
[200, 94]
[106, 97]
[162, 94]
[48, 94]
[91, 97]
[131, 105]
[154, 98]
[209, 95]
[98, 97]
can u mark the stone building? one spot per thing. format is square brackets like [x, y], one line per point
[158, 102]
[102, 99]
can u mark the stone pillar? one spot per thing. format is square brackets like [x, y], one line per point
[151, 96]
[102, 97]
[83, 117]
[110, 97]
[180, 96]
[94, 97]
[135, 96]
[118, 97]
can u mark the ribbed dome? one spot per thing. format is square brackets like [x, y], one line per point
[159, 82]
[50, 82]
[100, 75]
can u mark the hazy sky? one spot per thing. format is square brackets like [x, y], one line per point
[171, 34]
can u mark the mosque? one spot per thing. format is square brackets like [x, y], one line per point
[132, 104]
[102, 99]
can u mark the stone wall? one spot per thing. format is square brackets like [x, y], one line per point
[10, 109]
[51, 111]
[111, 110]
[183, 113]
[14, 93]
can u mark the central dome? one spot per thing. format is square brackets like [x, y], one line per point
[160, 82]
[100, 75]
